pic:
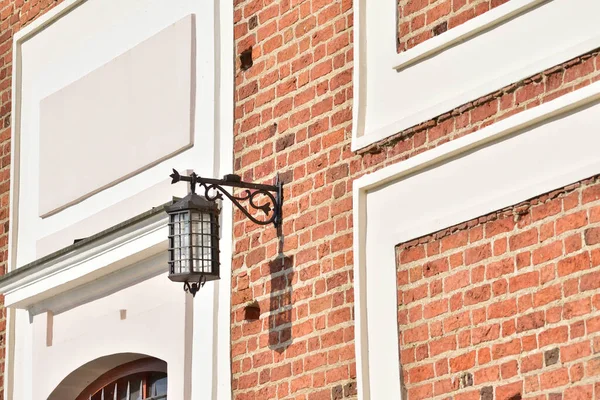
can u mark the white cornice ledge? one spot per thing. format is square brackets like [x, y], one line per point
[86, 261]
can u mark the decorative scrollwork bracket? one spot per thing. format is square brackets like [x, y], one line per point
[214, 189]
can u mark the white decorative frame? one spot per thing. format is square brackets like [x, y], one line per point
[210, 364]
[394, 92]
[528, 154]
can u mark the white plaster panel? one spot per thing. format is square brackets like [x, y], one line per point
[78, 38]
[509, 43]
[526, 155]
[136, 109]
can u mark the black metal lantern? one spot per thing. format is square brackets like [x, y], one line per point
[194, 225]
[193, 241]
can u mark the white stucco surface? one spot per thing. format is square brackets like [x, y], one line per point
[521, 157]
[137, 109]
[59, 48]
[155, 325]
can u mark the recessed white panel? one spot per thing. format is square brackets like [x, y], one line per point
[511, 42]
[131, 113]
[505, 163]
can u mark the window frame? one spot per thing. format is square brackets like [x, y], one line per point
[143, 365]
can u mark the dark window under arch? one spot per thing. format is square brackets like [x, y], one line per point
[144, 379]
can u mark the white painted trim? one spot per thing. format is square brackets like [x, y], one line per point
[19, 38]
[363, 136]
[379, 181]
[104, 286]
[493, 132]
[361, 332]
[438, 109]
[224, 164]
[36, 26]
[463, 32]
[23, 291]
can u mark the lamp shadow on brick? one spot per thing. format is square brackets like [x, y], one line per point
[280, 303]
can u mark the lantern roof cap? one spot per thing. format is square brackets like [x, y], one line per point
[192, 202]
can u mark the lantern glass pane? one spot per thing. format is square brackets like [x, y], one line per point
[185, 243]
[201, 245]
[181, 243]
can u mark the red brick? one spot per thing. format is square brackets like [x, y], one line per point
[418, 334]
[502, 309]
[489, 374]
[509, 391]
[506, 349]
[485, 334]
[575, 351]
[554, 379]
[477, 254]
[553, 335]
[524, 281]
[532, 362]
[499, 226]
[574, 264]
[579, 393]
[420, 392]
[477, 295]
[455, 240]
[571, 221]
[420, 373]
[577, 308]
[590, 281]
[547, 295]
[463, 362]
[456, 281]
[523, 239]
[547, 253]
[412, 254]
[592, 367]
[442, 345]
[499, 268]
[592, 236]
[457, 321]
[531, 321]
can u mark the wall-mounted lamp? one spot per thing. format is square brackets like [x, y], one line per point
[194, 224]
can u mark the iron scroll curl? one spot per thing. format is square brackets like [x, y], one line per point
[214, 189]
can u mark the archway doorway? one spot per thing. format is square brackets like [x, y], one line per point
[123, 376]
[143, 379]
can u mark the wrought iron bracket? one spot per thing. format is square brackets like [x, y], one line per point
[214, 189]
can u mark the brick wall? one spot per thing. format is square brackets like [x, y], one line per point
[293, 103]
[293, 116]
[419, 20]
[14, 14]
[506, 304]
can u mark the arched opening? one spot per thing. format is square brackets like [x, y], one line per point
[122, 376]
[143, 379]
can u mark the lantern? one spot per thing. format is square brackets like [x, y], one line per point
[194, 224]
[193, 241]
